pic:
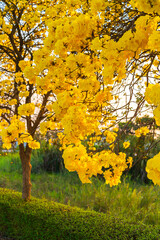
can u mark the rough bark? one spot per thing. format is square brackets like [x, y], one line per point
[25, 156]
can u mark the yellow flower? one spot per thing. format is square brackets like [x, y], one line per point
[7, 145]
[115, 129]
[126, 144]
[153, 169]
[13, 102]
[140, 131]
[34, 145]
[26, 109]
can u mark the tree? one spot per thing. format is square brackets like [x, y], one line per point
[59, 61]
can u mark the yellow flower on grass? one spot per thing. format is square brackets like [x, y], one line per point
[126, 144]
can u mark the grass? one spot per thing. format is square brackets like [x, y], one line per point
[43, 220]
[128, 200]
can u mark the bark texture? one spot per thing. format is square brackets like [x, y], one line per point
[25, 156]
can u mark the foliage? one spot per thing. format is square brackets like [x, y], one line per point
[10, 162]
[142, 146]
[47, 158]
[63, 222]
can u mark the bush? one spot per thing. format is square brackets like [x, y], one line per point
[44, 220]
[52, 160]
[47, 158]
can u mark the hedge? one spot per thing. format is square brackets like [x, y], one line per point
[46, 220]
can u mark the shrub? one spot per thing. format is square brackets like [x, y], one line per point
[47, 158]
[43, 220]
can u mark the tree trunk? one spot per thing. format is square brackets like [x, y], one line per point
[25, 156]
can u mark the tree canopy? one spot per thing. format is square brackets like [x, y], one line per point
[60, 61]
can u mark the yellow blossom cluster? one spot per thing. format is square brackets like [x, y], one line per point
[110, 136]
[153, 169]
[126, 144]
[152, 96]
[15, 131]
[147, 6]
[141, 131]
[26, 109]
[34, 144]
[45, 126]
[77, 159]
[77, 124]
